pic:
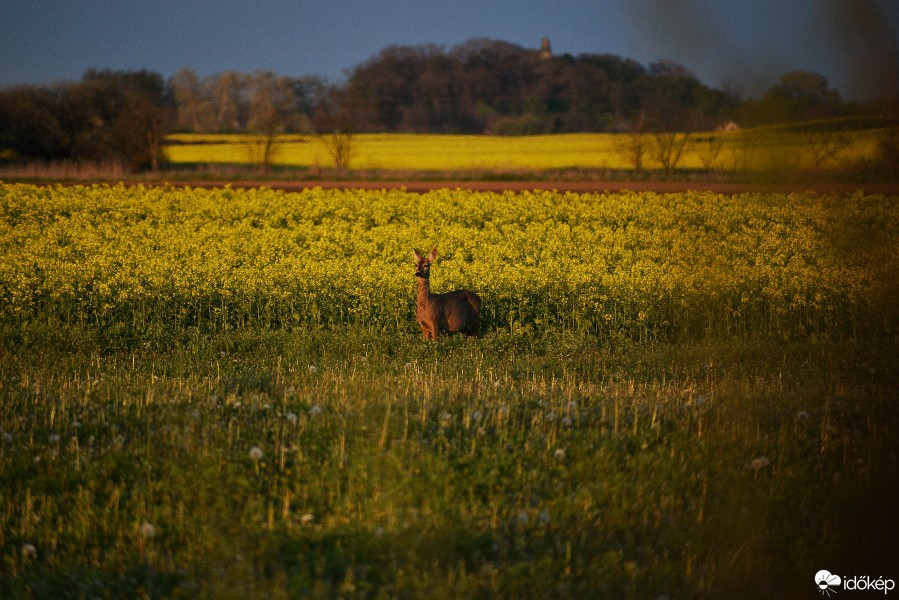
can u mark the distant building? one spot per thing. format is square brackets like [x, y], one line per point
[546, 50]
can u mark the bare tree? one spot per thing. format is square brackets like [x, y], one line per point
[708, 150]
[229, 91]
[194, 111]
[271, 107]
[824, 144]
[635, 144]
[669, 148]
[340, 146]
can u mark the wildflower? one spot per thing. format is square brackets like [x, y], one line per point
[759, 463]
[559, 454]
[256, 453]
[147, 530]
[307, 518]
[29, 551]
[803, 416]
[315, 410]
[291, 418]
[476, 415]
[312, 369]
[567, 421]
[54, 438]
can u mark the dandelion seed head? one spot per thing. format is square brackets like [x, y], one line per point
[147, 529]
[256, 453]
[759, 463]
[522, 517]
[307, 518]
[544, 517]
[476, 415]
[291, 418]
[559, 454]
[803, 416]
[312, 369]
[29, 551]
[567, 422]
[315, 410]
[54, 438]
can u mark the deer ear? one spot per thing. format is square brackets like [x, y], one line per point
[433, 255]
[417, 255]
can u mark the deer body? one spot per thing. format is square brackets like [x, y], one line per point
[450, 312]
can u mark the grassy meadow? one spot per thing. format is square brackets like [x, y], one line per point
[224, 393]
[765, 150]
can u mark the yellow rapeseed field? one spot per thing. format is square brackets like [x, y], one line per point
[754, 150]
[641, 264]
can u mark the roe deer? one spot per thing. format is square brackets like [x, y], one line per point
[443, 313]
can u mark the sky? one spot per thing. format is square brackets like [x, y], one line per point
[745, 44]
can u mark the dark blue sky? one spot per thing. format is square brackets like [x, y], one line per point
[746, 42]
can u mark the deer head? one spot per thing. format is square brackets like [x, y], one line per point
[423, 264]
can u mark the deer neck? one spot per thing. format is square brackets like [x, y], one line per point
[424, 291]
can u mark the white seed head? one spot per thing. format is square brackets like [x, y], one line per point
[291, 418]
[29, 551]
[559, 454]
[307, 518]
[147, 529]
[312, 369]
[256, 453]
[760, 463]
[315, 410]
[803, 416]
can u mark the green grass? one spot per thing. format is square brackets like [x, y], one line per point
[550, 465]
[222, 394]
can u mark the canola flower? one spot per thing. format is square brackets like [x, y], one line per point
[137, 261]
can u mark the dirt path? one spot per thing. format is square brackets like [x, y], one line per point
[521, 186]
[562, 186]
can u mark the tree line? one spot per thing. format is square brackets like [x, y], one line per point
[481, 86]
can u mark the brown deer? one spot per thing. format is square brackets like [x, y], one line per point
[451, 312]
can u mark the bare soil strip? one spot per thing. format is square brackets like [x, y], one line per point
[889, 188]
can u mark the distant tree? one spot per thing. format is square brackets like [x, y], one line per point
[797, 96]
[229, 92]
[272, 103]
[128, 112]
[634, 144]
[193, 105]
[30, 123]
